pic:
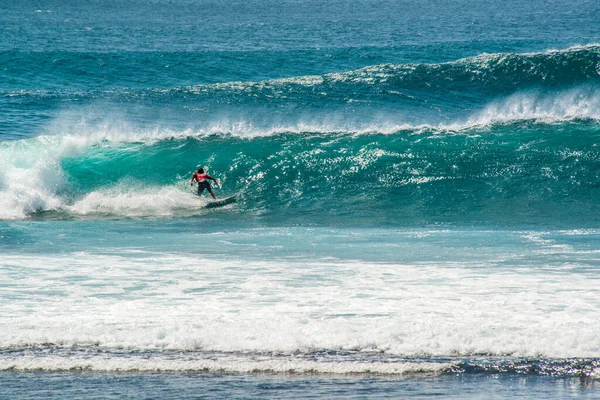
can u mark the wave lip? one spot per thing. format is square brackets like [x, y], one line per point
[581, 103]
[70, 134]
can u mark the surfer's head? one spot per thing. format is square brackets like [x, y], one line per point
[200, 170]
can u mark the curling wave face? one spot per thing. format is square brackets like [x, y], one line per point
[405, 176]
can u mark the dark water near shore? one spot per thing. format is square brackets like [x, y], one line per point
[185, 386]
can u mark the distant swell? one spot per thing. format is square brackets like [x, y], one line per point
[499, 71]
[487, 75]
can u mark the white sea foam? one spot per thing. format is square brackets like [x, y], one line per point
[230, 304]
[134, 201]
[221, 363]
[578, 103]
[69, 132]
[31, 175]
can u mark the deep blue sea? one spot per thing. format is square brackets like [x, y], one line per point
[418, 199]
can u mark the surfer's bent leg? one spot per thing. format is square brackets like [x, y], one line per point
[210, 190]
[200, 189]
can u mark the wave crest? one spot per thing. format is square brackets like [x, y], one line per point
[582, 103]
[502, 70]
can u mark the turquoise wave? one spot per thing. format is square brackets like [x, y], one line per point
[519, 172]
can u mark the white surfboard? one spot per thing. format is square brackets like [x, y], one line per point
[221, 202]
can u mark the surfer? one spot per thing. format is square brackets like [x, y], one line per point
[202, 178]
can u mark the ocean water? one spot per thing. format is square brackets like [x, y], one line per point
[418, 204]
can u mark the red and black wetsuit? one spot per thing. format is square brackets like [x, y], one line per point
[202, 180]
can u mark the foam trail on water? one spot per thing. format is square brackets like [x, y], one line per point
[135, 201]
[214, 363]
